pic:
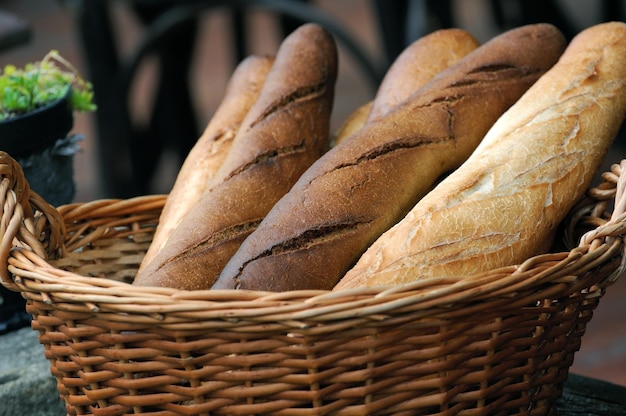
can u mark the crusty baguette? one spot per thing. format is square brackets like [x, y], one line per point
[414, 67]
[210, 150]
[502, 206]
[286, 129]
[352, 123]
[363, 186]
[418, 64]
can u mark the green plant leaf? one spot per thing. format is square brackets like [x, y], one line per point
[41, 83]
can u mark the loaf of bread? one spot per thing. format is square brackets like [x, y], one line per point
[283, 133]
[352, 123]
[210, 150]
[418, 64]
[364, 185]
[414, 67]
[504, 203]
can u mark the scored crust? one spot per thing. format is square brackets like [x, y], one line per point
[285, 130]
[361, 187]
[504, 203]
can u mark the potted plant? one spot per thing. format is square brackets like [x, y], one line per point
[37, 106]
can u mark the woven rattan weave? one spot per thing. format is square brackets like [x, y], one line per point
[497, 343]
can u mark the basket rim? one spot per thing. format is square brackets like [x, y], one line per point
[42, 281]
[38, 279]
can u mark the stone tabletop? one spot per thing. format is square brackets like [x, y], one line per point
[26, 386]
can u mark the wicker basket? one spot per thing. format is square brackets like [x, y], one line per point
[499, 343]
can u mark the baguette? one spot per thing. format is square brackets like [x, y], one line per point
[352, 123]
[504, 204]
[414, 67]
[363, 186]
[208, 153]
[418, 64]
[286, 129]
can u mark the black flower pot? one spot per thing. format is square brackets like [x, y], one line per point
[37, 130]
[39, 141]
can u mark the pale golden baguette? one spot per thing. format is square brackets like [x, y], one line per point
[418, 64]
[415, 66]
[355, 120]
[284, 132]
[208, 153]
[504, 203]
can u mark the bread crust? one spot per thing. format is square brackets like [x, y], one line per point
[418, 64]
[286, 129]
[504, 203]
[414, 67]
[363, 186]
[208, 153]
[352, 123]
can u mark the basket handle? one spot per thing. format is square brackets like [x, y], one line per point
[611, 190]
[27, 220]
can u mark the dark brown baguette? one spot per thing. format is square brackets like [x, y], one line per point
[286, 129]
[363, 186]
[503, 205]
[211, 149]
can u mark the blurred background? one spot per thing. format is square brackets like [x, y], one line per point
[159, 69]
